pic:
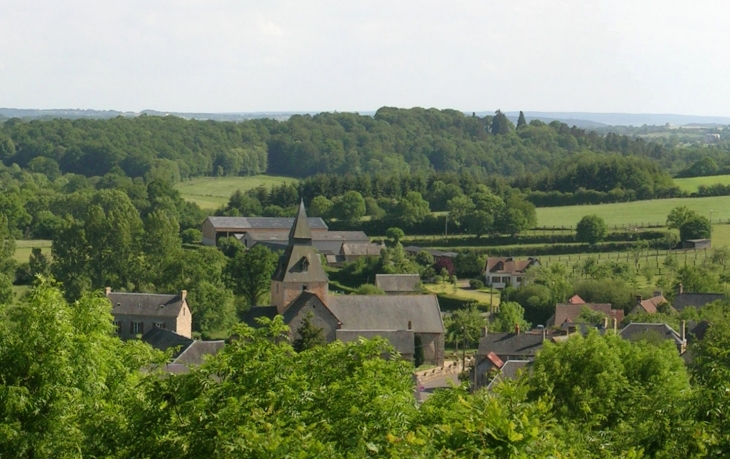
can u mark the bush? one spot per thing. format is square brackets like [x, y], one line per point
[476, 284]
[192, 236]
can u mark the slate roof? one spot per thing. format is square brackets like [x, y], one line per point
[196, 352]
[402, 340]
[510, 344]
[640, 331]
[571, 312]
[305, 298]
[300, 229]
[397, 282]
[291, 265]
[255, 312]
[145, 304]
[362, 248]
[508, 265]
[698, 300]
[262, 223]
[355, 236]
[163, 339]
[509, 370]
[384, 312]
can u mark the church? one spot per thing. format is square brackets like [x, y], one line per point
[300, 286]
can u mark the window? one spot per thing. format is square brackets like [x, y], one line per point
[304, 287]
[505, 279]
[305, 264]
[136, 328]
[160, 325]
[117, 326]
[495, 279]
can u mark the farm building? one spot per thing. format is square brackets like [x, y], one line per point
[136, 313]
[215, 228]
[697, 244]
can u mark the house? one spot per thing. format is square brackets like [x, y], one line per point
[696, 300]
[575, 299]
[503, 271]
[187, 352]
[568, 312]
[353, 251]
[495, 348]
[651, 305]
[300, 289]
[697, 244]
[136, 313]
[510, 370]
[398, 284]
[215, 228]
[654, 332]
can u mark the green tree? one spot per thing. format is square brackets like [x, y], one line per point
[320, 207]
[465, 325]
[459, 207]
[479, 223]
[510, 316]
[349, 207]
[369, 289]
[39, 263]
[212, 306]
[678, 216]
[591, 229]
[6, 290]
[395, 234]
[308, 335]
[521, 121]
[7, 247]
[501, 125]
[696, 227]
[249, 273]
[412, 208]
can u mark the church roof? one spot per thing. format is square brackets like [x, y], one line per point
[385, 312]
[300, 230]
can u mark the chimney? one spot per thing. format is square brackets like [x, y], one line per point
[183, 295]
[680, 288]
[339, 325]
[485, 331]
[657, 293]
[638, 299]
[517, 329]
[605, 323]
[683, 331]
[615, 325]
[107, 291]
[410, 325]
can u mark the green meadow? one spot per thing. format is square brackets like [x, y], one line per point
[212, 192]
[691, 184]
[24, 248]
[639, 213]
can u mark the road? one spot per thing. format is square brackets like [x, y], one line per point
[442, 382]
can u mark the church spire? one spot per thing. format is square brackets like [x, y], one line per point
[300, 230]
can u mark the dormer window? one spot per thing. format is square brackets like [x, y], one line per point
[305, 264]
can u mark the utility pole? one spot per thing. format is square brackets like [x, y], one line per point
[710, 225]
[446, 227]
[463, 350]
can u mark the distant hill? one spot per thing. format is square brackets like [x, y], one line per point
[581, 119]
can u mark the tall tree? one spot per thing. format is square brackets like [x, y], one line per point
[501, 125]
[308, 335]
[591, 229]
[7, 247]
[249, 273]
[521, 121]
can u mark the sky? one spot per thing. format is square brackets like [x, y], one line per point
[628, 56]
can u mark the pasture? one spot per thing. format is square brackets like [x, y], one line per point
[637, 213]
[24, 248]
[212, 192]
[691, 184]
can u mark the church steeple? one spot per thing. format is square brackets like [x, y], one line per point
[300, 268]
[300, 232]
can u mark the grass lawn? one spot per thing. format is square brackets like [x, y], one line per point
[464, 291]
[634, 213]
[24, 248]
[19, 291]
[692, 183]
[211, 192]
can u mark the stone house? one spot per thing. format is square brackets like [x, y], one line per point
[500, 272]
[136, 313]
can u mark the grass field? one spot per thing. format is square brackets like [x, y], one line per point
[211, 192]
[24, 248]
[692, 183]
[634, 213]
[464, 291]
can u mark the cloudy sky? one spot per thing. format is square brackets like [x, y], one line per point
[633, 56]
